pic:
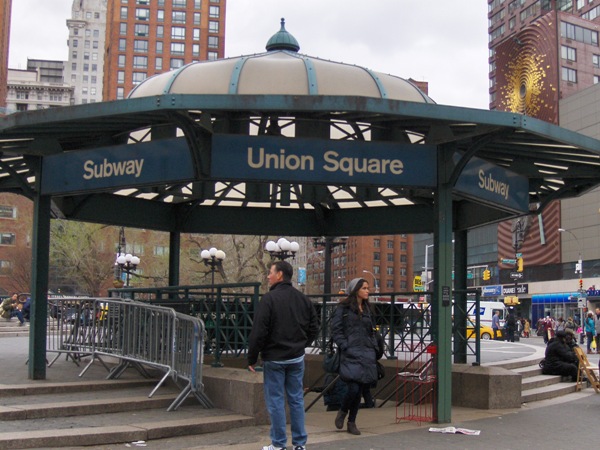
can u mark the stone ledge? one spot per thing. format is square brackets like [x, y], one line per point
[485, 387]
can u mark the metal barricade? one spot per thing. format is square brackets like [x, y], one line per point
[137, 334]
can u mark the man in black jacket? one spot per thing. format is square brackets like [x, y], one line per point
[285, 323]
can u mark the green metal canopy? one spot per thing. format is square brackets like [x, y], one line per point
[281, 143]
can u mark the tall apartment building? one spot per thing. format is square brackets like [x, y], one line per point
[85, 67]
[5, 13]
[144, 38]
[541, 53]
[384, 261]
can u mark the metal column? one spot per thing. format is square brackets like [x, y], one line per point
[40, 262]
[442, 297]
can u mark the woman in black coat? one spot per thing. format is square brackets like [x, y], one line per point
[352, 331]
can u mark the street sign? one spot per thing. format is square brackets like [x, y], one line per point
[418, 284]
[516, 275]
[509, 261]
[519, 255]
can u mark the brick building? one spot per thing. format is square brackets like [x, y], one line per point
[144, 38]
[5, 12]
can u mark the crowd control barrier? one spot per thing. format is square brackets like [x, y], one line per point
[135, 333]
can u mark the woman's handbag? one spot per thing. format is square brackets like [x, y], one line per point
[331, 361]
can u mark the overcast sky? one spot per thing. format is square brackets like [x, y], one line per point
[443, 42]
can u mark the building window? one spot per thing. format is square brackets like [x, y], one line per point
[512, 22]
[213, 26]
[122, 29]
[86, 67]
[158, 63]
[121, 61]
[196, 35]
[579, 34]
[376, 243]
[214, 12]
[176, 63]
[568, 74]
[178, 17]
[213, 42]
[390, 243]
[123, 12]
[74, 55]
[402, 271]
[85, 78]
[120, 77]
[96, 15]
[86, 55]
[403, 246]
[76, 31]
[95, 44]
[88, 33]
[96, 33]
[376, 270]
[390, 257]
[7, 239]
[138, 77]
[5, 267]
[376, 256]
[390, 271]
[596, 61]
[8, 212]
[95, 56]
[141, 29]
[73, 78]
[87, 44]
[161, 250]
[93, 91]
[197, 4]
[140, 46]
[159, 47]
[160, 31]
[403, 258]
[179, 3]
[177, 48]
[160, 15]
[93, 79]
[140, 62]
[211, 56]
[94, 67]
[75, 43]
[596, 79]
[177, 33]
[568, 53]
[196, 18]
[142, 14]
[84, 90]
[73, 67]
[195, 49]
[120, 93]
[122, 45]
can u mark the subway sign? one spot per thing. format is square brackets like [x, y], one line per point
[496, 185]
[273, 158]
[146, 163]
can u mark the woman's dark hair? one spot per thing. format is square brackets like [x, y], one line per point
[352, 299]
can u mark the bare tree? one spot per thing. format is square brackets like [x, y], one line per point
[20, 279]
[79, 254]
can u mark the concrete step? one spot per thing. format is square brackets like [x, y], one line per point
[547, 392]
[539, 381]
[529, 371]
[119, 433]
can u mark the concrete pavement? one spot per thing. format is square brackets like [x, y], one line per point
[561, 423]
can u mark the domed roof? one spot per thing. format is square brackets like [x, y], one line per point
[279, 71]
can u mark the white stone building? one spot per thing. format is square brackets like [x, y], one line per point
[26, 92]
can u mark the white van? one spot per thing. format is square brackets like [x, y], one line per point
[487, 310]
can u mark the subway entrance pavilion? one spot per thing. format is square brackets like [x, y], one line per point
[280, 143]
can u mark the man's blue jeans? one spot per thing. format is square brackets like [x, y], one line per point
[281, 380]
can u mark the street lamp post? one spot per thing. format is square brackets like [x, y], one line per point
[282, 249]
[578, 269]
[518, 238]
[213, 259]
[329, 243]
[125, 262]
[375, 280]
[426, 282]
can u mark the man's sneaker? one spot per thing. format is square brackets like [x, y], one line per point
[270, 447]
[299, 447]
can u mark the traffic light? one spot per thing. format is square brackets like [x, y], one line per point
[519, 264]
[580, 284]
[486, 274]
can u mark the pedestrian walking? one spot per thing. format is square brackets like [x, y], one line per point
[352, 331]
[590, 330]
[285, 323]
[496, 324]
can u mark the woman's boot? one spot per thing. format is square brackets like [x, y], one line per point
[352, 428]
[339, 420]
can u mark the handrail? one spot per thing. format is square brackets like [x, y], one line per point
[136, 333]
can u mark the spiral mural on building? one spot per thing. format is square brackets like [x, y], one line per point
[527, 75]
